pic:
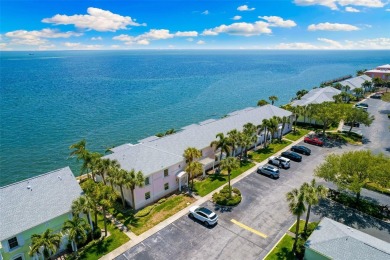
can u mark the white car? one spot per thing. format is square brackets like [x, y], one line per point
[269, 170]
[279, 161]
[204, 215]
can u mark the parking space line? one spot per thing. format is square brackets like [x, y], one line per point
[248, 228]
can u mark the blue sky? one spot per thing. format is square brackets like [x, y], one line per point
[194, 24]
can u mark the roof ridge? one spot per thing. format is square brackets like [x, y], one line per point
[34, 177]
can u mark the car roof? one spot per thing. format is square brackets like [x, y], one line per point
[269, 167]
[205, 210]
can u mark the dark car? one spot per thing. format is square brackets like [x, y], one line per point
[376, 96]
[301, 149]
[355, 124]
[313, 140]
[292, 156]
[361, 105]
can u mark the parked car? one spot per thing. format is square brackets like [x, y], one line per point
[361, 105]
[355, 124]
[269, 170]
[313, 140]
[293, 156]
[301, 149]
[204, 215]
[376, 96]
[279, 161]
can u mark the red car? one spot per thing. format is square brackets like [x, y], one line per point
[313, 140]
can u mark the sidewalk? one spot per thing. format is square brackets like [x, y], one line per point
[137, 239]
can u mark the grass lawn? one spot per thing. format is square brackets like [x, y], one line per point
[214, 181]
[283, 249]
[262, 154]
[376, 187]
[310, 227]
[98, 248]
[386, 97]
[351, 138]
[293, 136]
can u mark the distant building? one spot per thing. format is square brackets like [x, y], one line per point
[356, 82]
[31, 206]
[382, 72]
[333, 240]
[317, 96]
[161, 159]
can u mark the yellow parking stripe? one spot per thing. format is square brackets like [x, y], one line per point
[248, 228]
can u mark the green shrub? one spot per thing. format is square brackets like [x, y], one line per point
[97, 233]
[162, 200]
[223, 198]
[144, 212]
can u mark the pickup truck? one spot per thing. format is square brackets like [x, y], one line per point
[279, 161]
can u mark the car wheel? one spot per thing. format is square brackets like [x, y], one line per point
[191, 215]
[206, 223]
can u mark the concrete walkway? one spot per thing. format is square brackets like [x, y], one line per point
[137, 239]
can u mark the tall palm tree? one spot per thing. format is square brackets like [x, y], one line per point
[266, 124]
[105, 166]
[106, 197]
[48, 240]
[77, 229]
[273, 126]
[301, 93]
[338, 86]
[191, 154]
[358, 92]
[194, 168]
[273, 99]
[134, 179]
[284, 120]
[250, 130]
[119, 178]
[367, 85]
[234, 138]
[296, 204]
[262, 102]
[82, 205]
[295, 110]
[222, 143]
[91, 189]
[229, 164]
[79, 150]
[313, 194]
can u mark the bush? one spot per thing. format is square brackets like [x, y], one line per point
[97, 233]
[222, 198]
[162, 200]
[144, 212]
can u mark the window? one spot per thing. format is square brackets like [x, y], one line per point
[166, 186]
[147, 195]
[166, 173]
[147, 181]
[13, 242]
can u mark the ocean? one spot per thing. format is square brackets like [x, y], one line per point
[50, 100]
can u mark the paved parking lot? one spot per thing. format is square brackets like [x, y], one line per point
[262, 217]
[264, 209]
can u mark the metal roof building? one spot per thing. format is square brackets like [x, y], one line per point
[317, 96]
[355, 82]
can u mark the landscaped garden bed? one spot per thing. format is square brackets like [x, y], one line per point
[223, 197]
[263, 153]
[298, 133]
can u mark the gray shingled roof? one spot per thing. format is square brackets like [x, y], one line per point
[153, 155]
[339, 241]
[317, 96]
[355, 82]
[49, 195]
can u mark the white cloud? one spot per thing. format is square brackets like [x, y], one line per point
[369, 44]
[96, 38]
[206, 12]
[96, 19]
[80, 46]
[332, 27]
[276, 21]
[351, 10]
[24, 37]
[153, 34]
[186, 34]
[333, 44]
[295, 46]
[387, 10]
[245, 8]
[245, 29]
[333, 4]
[190, 39]
[200, 42]
[3, 45]
[237, 17]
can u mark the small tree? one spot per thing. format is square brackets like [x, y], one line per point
[313, 195]
[296, 204]
[356, 115]
[262, 102]
[134, 179]
[222, 143]
[329, 113]
[77, 230]
[83, 205]
[273, 99]
[350, 170]
[234, 139]
[48, 240]
[193, 169]
[106, 197]
[191, 154]
[229, 164]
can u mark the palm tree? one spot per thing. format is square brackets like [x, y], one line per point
[284, 120]
[134, 179]
[378, 82]
[301, 93]
[120, 178]
[273, 99]
[79, 150]
[251, 131]
[234, 138]
[338, 86]
[295, 110]
[191, 154]
[82, 205]
[48, 240]
[265, 123]
[338, 98]
[273, 126]
[262, 102]
[105, 166]
[106, 197]
[367, 85]
[193, 169]
[222, 143]
[358, 92]
[91, 189]
[229, 164]
[77, 230]
[313, 194]
[296, 204]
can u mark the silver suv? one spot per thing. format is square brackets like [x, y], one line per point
[269, 170]
[279, 161]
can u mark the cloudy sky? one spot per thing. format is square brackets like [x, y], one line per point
[194, 24]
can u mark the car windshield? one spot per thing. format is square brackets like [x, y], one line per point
[205, 211]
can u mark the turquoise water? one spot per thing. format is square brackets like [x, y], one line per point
[50, 100]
